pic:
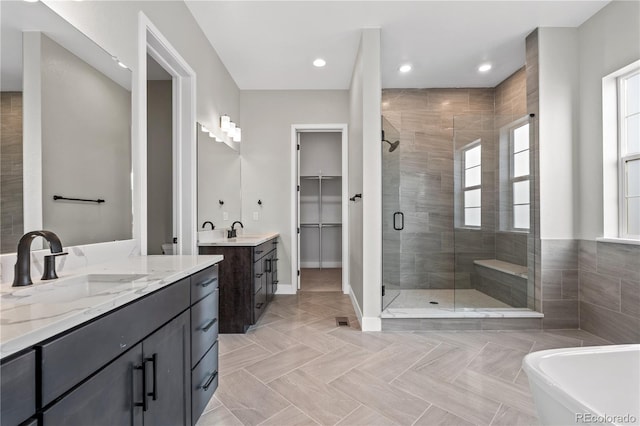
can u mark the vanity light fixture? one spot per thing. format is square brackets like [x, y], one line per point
[319, 63]
[204, 129]
[237, 135]
[232, 129]
[484, 67]
[225, 123]
[405, 68]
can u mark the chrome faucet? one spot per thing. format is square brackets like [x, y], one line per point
[210, 223]
[232, 233]
[22, 269]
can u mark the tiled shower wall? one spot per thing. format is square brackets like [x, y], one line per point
[425, 120]
[11, 222]
[610, 290]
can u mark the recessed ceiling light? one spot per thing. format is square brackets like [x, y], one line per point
[405, 68]
[319, 63]
[484, 67]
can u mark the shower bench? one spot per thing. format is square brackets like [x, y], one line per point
[502, 280]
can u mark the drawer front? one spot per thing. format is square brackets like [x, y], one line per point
[81, 352]
[260, 303]
[258, 276]
[204, 326]
[262, 250]
[204, 283]
[204, 382]
[18, 391]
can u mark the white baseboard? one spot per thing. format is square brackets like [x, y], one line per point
[324, 264]
[367, 323]
[286, 289]
[371, 324]
[354, 302]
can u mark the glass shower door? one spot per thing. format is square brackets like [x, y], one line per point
[392, 217]
[494, 177]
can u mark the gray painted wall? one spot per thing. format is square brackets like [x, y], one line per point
[159, 165]
[267, 116]
[86, 149]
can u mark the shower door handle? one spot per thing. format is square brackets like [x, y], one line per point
[395, 221]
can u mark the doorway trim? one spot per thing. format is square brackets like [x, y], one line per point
[152, 42]
[295, 249]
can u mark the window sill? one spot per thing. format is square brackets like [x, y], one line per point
[618, 240]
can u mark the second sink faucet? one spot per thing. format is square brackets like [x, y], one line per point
[210, 223]
[232, 233]
[22, 270]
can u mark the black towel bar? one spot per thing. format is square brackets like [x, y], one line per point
[60, 197]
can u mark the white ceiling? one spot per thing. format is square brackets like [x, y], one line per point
[271, 44]
[19, 16]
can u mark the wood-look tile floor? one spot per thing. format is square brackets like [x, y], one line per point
[297, 367]
[325, 279]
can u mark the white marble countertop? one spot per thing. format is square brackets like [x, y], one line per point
[29, 315]
[247, 240]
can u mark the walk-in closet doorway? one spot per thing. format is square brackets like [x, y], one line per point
[321, 208]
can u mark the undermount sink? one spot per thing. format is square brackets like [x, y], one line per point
[210, 236]
[69, 289]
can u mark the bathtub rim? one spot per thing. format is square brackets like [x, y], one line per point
[531, 366]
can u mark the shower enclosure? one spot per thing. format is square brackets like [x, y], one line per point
[457, 216]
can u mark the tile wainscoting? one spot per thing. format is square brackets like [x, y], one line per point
[609, 276]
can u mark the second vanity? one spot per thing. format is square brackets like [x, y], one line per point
[126, 342]
[248, 278]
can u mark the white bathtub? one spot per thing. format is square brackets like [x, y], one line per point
[590, 385]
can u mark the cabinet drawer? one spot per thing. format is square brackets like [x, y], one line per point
[260, 303]
[262, 250]
[204, 283]
[73, 357]
[204, 382]
[18, 391]
[204, 326]
[258, 276]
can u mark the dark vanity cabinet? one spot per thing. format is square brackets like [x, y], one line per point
[18, 394]
[204, 339]
[248, 282]
[149, 384]
[153, 361]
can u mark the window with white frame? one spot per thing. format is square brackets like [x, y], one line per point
[519, 176]
[629, 154]
[472, 184]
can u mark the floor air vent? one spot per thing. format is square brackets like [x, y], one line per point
[342, 321]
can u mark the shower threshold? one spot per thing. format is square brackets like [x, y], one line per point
[448, 303]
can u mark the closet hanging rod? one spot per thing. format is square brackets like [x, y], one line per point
[60, 197]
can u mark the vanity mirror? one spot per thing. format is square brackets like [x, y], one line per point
[219, 186]
[66, 131]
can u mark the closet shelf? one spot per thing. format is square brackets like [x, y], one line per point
[320, 177]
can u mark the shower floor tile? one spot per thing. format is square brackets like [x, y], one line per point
[463, 303]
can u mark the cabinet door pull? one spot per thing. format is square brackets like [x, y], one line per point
[259, 251]
[259, 305]
[259, 275]
[276, 282]
[210, 379]
[267, 261]
[209, 325]
[208, 282]
[142, 367]
[154, 391]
